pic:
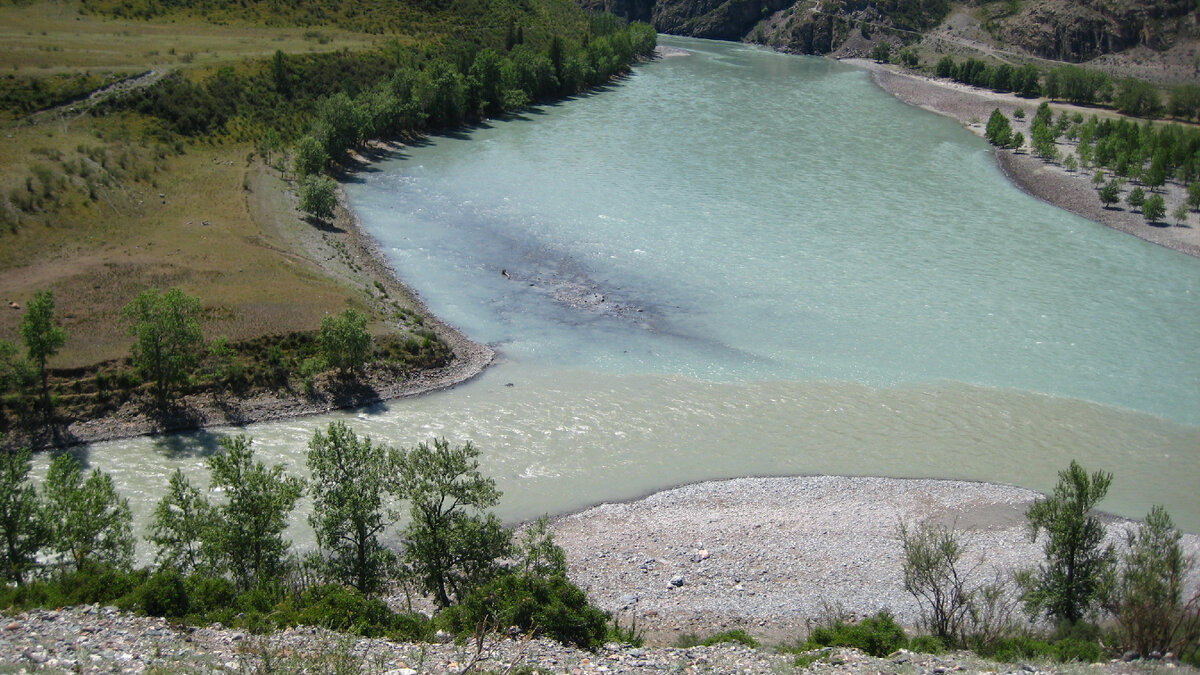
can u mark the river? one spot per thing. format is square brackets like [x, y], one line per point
[737, 262]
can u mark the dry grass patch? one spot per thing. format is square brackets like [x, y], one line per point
[52, 37]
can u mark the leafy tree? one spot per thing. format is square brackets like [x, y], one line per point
[345, 341]
[1073, 579]
[1138, 98]
[22, 528]
[1111, 192]
[249, 539]
[442, 93]
[1016, 141]
[1154, 208]
[945, 67]
[450, 544]
[1193, 196]
[1185, 101]
[882, 51]
[909, 57]
[485, 81]
[1098, 179]
[89, 522]
[167, 331]
[310, 156]
[998, 130]
[42, 338]
[350, 479]
[933, 576]
[182, 520]
[1136, 197]
[1180, 214]
[1027, 81]
[1147, 600]
[318, 196]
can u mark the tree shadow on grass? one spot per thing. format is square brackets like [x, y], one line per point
[323, 225]
[347, 391]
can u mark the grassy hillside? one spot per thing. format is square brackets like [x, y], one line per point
[180, 174]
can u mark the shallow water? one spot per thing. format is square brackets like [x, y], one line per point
[743, 263]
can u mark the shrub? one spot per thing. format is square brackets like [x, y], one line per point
[164, 594]
[926, 644]
[207, 594]
[342, 608]
[736, 635]
[878, 635]
[551, 606]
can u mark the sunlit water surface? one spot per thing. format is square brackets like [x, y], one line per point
[739, 263]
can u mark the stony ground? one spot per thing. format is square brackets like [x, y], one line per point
[773, 556]
[102, 640]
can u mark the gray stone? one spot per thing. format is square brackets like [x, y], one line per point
[677, 580]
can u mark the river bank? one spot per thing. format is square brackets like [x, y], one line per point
[1046, 180]
[342, 251]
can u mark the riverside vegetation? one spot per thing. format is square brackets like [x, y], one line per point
[220, 557]
[219, 138]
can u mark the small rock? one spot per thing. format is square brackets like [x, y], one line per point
[1130, 656]
[677, 580]
[702, 555]
[13, 626]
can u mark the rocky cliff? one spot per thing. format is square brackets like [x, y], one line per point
[1066, 30]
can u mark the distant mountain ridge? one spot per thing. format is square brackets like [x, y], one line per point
[1063, 30]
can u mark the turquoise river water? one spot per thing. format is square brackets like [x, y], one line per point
[738, 262]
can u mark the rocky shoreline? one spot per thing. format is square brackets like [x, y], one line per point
[774, 556]
[1048, 181]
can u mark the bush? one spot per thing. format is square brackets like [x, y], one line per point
[164, 594]
[208, 594]
[341, 608]
[879, 635]
[926, 644]
[551, 606]
[736, 635]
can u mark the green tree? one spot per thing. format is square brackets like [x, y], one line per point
[1136, 197]
[1138, 98]
[1073, 578]
[485, 80]
[249, 539]
[1154, 208]
[1193, 196]
[168, 338]
[89, 522]
[318, 197]
[882, 51]
[945, 67]
[351, 477]
[1180, 214]
[22, 527]
[998, 131]
[345, 341]
[183, 519]
[1147, 600]
[1111, 192]
[450, 544]
[42, 337]
[309, 157]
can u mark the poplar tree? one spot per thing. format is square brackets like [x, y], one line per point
[350, 481]
[42, 337]
[1078, 568]
[22, 528]
[89, 522]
